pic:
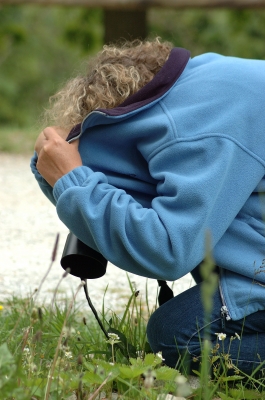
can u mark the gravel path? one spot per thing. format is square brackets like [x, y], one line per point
[29, 225]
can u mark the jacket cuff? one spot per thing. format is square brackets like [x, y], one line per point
[76, 177]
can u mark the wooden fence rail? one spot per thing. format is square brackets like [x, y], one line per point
[144, 4]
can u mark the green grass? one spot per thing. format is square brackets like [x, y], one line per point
[17, 140]
[51, 353]
[61, 353]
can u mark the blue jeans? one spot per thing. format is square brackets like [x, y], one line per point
[178, 328]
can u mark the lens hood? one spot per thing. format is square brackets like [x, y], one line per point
[83, 262]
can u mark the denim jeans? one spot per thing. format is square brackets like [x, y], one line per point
[178, 329]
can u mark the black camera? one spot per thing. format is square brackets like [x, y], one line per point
[83, 262]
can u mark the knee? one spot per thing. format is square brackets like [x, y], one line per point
[161, 330]
[162, 337]
[154, 332]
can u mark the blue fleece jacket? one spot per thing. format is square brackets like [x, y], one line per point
[182, 157]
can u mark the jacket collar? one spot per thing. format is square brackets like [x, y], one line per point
[157, 87]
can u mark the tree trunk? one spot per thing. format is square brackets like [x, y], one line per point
[124, 24]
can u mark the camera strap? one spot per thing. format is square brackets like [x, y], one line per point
[165, 293]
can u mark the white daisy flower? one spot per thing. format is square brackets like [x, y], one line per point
[221, 336]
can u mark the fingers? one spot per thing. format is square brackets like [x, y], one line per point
[48, 134]
[62, 132]
[51, 131]
[57, 157]
[51, 137]
[40, 142]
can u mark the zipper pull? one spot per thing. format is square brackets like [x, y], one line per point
[224, 315]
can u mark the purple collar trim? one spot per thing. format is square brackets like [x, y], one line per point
[159, 85]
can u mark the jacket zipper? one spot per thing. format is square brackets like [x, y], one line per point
[225, 316]
[81, 127]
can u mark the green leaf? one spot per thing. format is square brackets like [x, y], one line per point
[92, 377]
[223, 396]
[98, 371]
[196, 372]
[215, 358]
[131, 372]
[136, 361]
[166, 374]
[231, 378]
[245, 394]
[147, 348]
[5, 356]
[120, 358]
[7, 365]
[107, 367]
[149, 359]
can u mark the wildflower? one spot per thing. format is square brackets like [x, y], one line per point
[26, 350]
[68, 354]
[149, 378]
[184, 386]
[33, 367]
[140, 354]
[159, 355]
[1, 308]
[113, 338]
[180, 380]
[48, 364]
[68, 331]
[229, 364]
[215, 349]
[34, 313]
[221, 336]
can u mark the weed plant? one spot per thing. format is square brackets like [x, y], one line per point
[61, 353]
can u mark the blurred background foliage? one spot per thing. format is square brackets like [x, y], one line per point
[41, 47]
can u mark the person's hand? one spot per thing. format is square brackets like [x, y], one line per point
[56, 157]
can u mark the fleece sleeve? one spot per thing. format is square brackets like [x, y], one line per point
[201, 186]
[43, 184]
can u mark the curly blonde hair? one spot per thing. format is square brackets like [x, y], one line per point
[113, 75]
